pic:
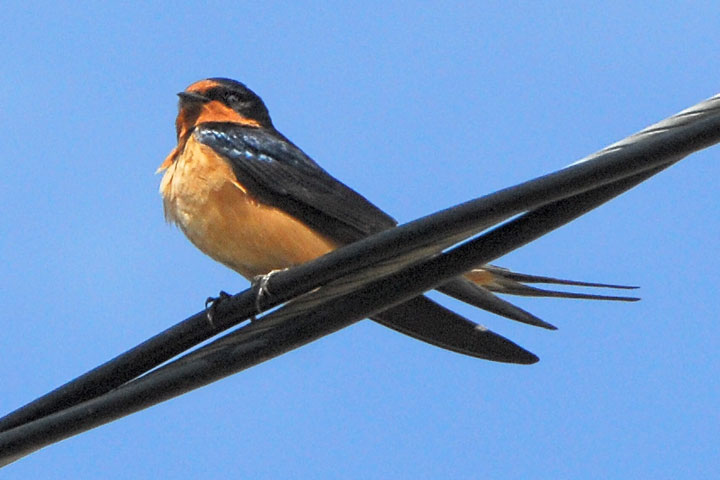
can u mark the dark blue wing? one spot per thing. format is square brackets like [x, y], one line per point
[278, 173]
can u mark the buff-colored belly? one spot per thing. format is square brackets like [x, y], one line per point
[202, 196]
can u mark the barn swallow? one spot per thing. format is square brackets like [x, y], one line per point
[249, 198]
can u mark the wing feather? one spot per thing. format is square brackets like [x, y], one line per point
[278, 173]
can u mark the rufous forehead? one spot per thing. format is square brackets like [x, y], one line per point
[202, 86]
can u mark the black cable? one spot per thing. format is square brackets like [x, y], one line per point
[617, 167]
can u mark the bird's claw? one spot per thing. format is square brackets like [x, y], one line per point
[262, 291]
[211, 305]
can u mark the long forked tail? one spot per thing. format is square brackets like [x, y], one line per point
[502, 280]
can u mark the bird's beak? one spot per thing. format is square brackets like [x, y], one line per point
[192, 97]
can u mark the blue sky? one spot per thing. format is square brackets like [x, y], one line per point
[419, 109]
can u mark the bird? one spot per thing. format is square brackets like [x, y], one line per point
[249, 198]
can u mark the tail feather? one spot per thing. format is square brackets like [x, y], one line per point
[478, 296]
[528, 291]
[501, 280]
[525, 278]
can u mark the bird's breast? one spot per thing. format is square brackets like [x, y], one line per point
[204, 198]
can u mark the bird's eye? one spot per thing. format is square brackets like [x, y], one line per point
[231, 98]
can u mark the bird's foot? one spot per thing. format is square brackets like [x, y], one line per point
[260, 285]
[211, 305]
